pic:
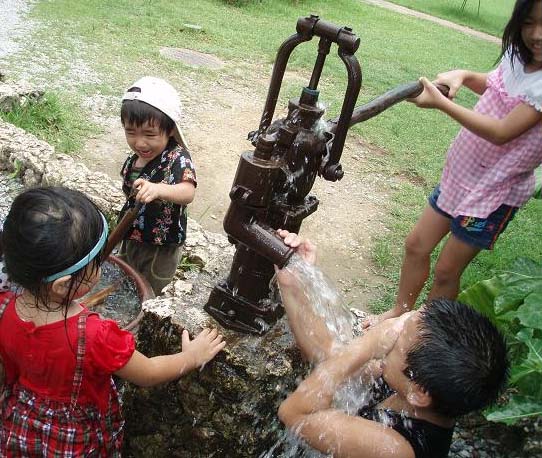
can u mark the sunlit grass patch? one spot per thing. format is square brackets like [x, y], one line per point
[49, 118]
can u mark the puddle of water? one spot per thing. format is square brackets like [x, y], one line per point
[123, 304]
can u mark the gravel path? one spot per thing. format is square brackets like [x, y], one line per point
[427, 17]
[12, 13]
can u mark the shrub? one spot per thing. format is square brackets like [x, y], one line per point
[513, 301]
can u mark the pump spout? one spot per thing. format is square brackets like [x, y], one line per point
[242, 225]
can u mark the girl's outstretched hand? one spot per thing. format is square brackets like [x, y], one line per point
[431, 97]
[453, 79]
[203, 347]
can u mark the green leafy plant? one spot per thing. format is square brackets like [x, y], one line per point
[513, 301]
[188, 264]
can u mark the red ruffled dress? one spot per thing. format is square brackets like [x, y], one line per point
[59, 399]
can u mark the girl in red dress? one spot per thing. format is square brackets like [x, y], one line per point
[59, 398]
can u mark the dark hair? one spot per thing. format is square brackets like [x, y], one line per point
[136, 113]
[46, 231]
[511, 38]
[459, 358]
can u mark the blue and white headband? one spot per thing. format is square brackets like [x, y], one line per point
[86, 260]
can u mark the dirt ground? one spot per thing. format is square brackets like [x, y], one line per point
[217, 118]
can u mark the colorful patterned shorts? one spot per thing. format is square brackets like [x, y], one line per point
[479, 232]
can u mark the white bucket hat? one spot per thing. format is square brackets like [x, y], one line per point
[162, 96]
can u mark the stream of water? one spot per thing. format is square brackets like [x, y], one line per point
[327, 308]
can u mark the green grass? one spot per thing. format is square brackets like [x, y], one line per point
[494, 14]
[121, 40]
[53, 119]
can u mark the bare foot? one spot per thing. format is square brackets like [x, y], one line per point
[371, 320]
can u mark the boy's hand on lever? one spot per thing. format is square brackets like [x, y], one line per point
[146, 191]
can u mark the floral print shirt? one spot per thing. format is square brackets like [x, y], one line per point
[159, 222]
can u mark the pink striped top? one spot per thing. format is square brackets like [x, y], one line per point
[479, 176]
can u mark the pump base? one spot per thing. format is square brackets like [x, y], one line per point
[235, 312]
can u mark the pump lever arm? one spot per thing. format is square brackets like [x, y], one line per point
[385, 101]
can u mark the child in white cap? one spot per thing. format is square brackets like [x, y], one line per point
[160, 174]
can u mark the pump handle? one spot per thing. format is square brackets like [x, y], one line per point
[385, 101]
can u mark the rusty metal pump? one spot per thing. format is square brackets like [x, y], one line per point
[272, 183]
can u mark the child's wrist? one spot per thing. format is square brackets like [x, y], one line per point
[187, 362]
[160, 191]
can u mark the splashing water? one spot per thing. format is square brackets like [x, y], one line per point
[327, 306]
[324, 299]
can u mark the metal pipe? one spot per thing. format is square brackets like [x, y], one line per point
[279, 67]
[332, 170]
[323, 51]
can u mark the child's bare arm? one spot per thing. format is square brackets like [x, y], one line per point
[195, 353]
[454, 79]
[312, 336]
[180, 193]
[497, 131]
[309, 413]
[337, 434]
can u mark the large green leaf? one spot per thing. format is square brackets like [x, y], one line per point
[481, 296]
[518, 407]
[513, 301]
[535, 347]
[524, 278]
[511, 297]
[530, 312]
[520, 371]
[526, 371]
[526, 267]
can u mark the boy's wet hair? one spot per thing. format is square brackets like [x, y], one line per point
[459, 358]
[511, 38]
[137, 113]
[46, 231]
